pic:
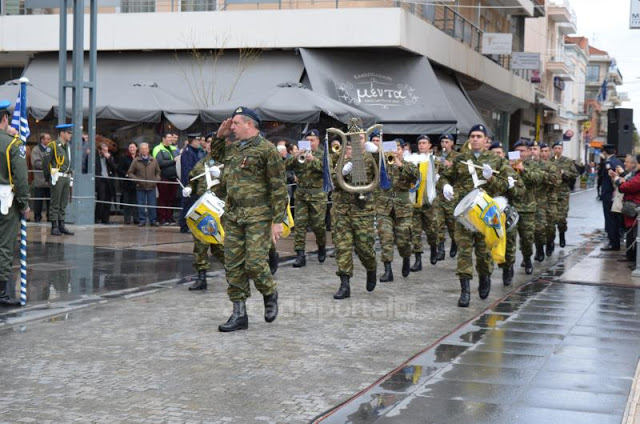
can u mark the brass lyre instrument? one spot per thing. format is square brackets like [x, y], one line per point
[359, 183]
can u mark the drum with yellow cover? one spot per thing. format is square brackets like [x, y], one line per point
[203, 219]
[478, 212]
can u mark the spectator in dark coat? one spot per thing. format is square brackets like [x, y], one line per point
[105, 187]
[190, 155]
[630, 186]
[128, 187]
[612, 220]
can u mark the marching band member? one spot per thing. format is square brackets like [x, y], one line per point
[394, 212]
[256, 197]
[424, 214]
[569, 175]
[444, 210]
[311, 201]
[353, 227]
[457, 182]
[546, 233]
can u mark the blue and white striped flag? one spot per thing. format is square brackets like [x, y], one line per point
[19, 120]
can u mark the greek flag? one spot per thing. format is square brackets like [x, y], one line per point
[327, 182]
[19, 120]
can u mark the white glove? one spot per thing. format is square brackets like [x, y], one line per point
[447, 190]
[406, 154]
[437, 177]
[487, 172]
[347, 168]
[370, 147]
[186, 192]
[214, 171]
[511, 181]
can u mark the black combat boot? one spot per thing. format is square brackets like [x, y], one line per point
[274, 257]
[454, 249]
[434, 254]
[271, 307]
[238, 319]
[465, 293]
[345, 290]
[388, 273]
[371, 280]
[550, 246]
[528, 266]
[563, 242]
[539, 253]
[406, 266]
[5, 299]
[485, 286]
[322, 253]
[301, 260]
[201, 282]
[417, 265]
[441, 251]
[63, 229]
[55, 231]
[507, 275]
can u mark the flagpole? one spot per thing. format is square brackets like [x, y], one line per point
[23, 218]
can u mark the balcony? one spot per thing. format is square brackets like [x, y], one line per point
[520, 7]
[560, 12]
[557, 65]
[614, 75]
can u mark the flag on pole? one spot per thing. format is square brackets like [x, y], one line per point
[602, 93]
[19, 120]
[327, 182]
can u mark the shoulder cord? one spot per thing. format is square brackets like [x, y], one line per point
[59, 162]
[15, 138]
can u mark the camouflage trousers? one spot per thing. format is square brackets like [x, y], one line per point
[467, 241]
[444, 211]
[201, 253]
[246, 248]
[563, 211]
[424, 219]
[546, 216]
[525, 231]
[310, 211]
[394, 230]
[351, 232]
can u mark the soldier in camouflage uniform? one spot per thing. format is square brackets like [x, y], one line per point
[425, 218]
[553, 186]
[542, 193]
[311, 200]
[394, 212]
[458, 181]
[196, 188]
[444, 209]
[530, 174]
[13, 174]
[256, 196]
[514, 193]
[353, 216]
[58, 157]
[569, 175]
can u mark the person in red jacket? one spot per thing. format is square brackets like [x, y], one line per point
[629, 184]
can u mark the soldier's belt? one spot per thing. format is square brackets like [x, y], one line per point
[64, 174]
[244, 203]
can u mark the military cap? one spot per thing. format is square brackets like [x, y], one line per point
[556, 143]
[521, 143]
[4, 104]
[533, 143]
[423, 137]
[312, 133]
[478, 127]
[210, 134]
[64, 127]
[446, 136]
[193, 136]
[495, 145]
[400, 141]
[250, 113]
[609, 148]
[374, 134]
[543, 145]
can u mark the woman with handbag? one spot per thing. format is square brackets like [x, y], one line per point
[628, 183]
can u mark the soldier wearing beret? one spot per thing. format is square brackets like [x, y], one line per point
[14, 201]
[457, 182]
[444, 210]
[311, 200]
[56, 168]
[551, 206]
[569, 175]
[256, 199]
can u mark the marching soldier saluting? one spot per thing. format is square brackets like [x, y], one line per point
[458, 181]
[394, 213]
[311, 200]
[256, 197]
[14, 198]
[56, 168]
[569, 175]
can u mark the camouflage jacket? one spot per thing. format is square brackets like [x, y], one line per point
[397, 197]
[254, 179]
[551, 179]
[309, 176]
[569, 172]
[348, 203]
[460, 179]
[516, 193]
[12, 148]
[531, 177]
[199, 186]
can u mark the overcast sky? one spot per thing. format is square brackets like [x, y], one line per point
[606, 24]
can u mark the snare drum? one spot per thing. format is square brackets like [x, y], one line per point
[203, 219]
[511, 214]
[478, 212]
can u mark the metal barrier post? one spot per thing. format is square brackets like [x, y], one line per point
[636, 272]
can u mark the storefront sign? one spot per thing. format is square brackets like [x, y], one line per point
[496, 43]
[376, 89]
[558, 83]
[523, 60]
[634, 16]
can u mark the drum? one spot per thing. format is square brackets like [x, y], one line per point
[203, 219]
[478, 212]
[511, 214]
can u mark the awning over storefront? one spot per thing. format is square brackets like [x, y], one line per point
[596, 144]
[140, 87]
[466, 113]
[39, 103]
[399, 89]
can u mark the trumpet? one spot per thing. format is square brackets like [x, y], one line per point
[302, 157]
[391, 158]
[336, 147]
